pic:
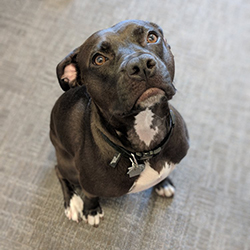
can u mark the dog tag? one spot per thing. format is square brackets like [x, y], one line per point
[115, 160]
[136, 168]
[134, 171]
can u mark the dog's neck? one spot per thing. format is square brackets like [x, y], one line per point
[148, 131]
[142, 132]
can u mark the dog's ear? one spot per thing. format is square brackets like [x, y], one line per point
[68, 72]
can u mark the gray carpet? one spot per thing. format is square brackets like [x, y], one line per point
[211, 210]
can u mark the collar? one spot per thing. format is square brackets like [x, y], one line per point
[140, 156]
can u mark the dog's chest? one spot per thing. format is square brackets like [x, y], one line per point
[148, 130]
[144, 126]
[150, 177]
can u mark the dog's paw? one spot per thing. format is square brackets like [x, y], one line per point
[93, 217]
[166, 190]
[75, 208]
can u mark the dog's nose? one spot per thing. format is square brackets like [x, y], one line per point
[141, 67]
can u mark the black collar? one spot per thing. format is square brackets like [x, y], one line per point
[140, 156]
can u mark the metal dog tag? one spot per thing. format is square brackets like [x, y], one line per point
[115, 160]
[134, 171]
[136, 168]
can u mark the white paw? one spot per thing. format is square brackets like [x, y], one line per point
[74, 211]
[166, 191]
[94, 220]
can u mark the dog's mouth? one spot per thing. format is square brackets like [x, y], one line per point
[149, 98]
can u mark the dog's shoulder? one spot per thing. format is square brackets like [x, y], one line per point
[73, 101]
[71, 98]
[179, 142]
[180, 124]
[68, 116]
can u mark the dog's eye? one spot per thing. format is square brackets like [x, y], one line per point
[152, 38]
[99, 60]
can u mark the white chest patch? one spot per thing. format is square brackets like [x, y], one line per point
[143, 126]
[149, 177]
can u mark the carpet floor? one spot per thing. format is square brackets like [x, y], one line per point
[211, 209]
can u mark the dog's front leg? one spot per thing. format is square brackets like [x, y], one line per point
[73, 203]
[92, 211]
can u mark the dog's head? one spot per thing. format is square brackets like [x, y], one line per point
[125, 68]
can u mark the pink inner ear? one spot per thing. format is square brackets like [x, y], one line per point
[69, 73]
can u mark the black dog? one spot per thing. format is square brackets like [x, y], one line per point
[113, 129]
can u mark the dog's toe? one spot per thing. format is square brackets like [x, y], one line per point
[165, 191]
[74, 210]
[94, 219]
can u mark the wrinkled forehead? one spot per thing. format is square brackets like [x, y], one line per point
[135, 25]
[121, 32]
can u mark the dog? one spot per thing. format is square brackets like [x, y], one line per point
[113, 129]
